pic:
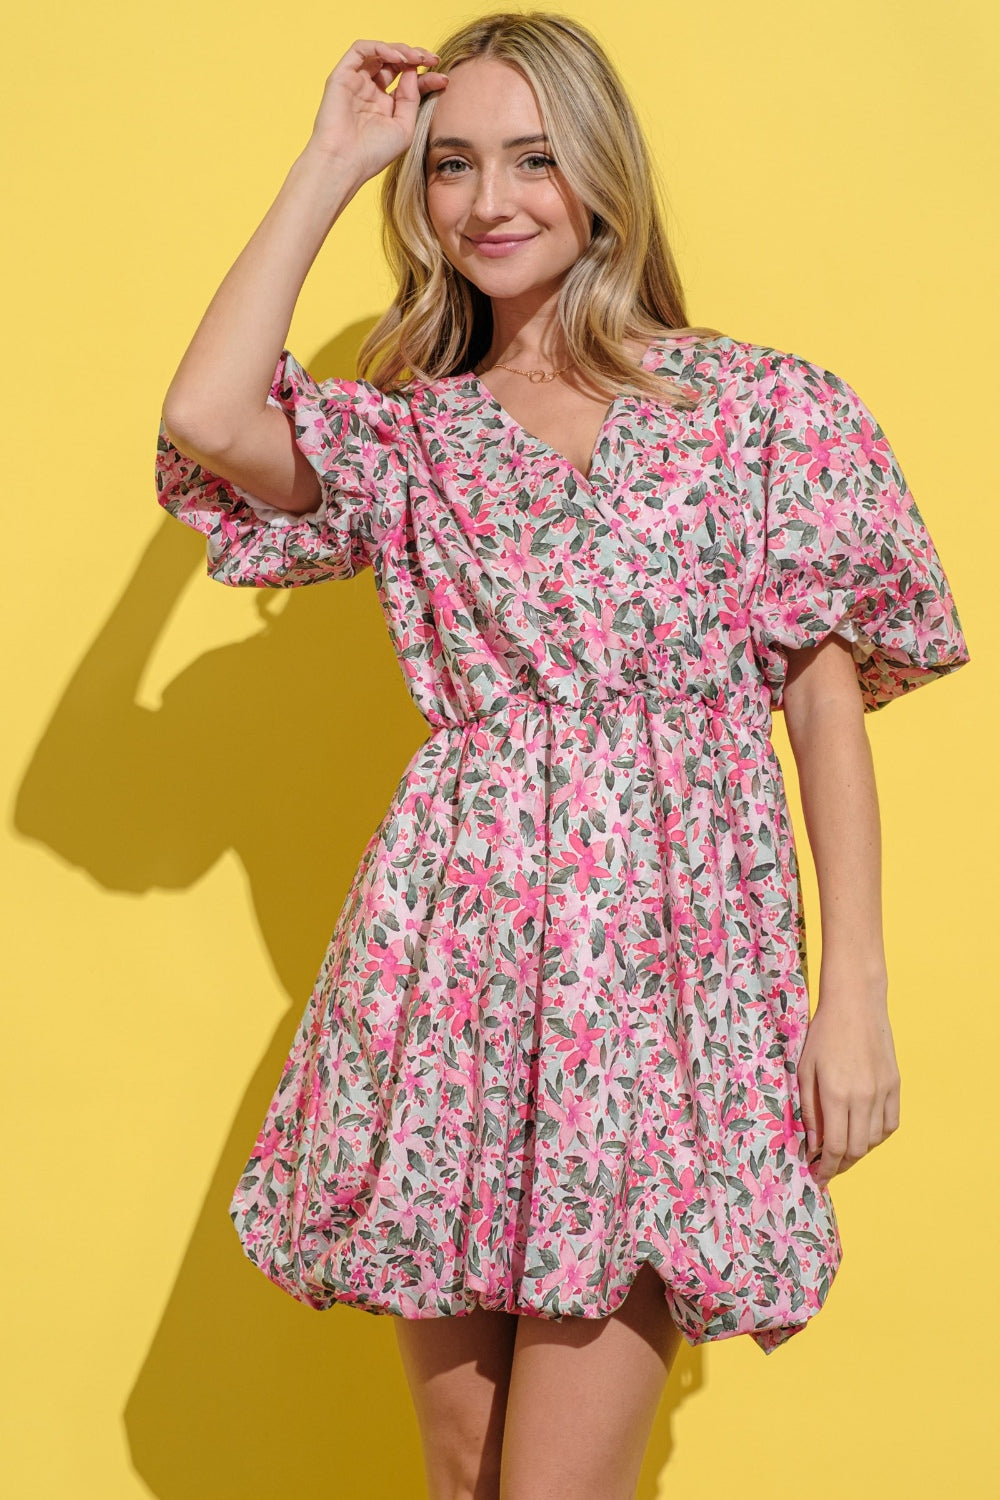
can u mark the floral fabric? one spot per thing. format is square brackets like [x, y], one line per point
[557, 1028]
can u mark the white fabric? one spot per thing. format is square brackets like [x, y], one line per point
[861, 646]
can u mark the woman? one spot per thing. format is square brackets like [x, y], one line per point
[556, 1100]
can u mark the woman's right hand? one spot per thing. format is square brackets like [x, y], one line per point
[358, 121]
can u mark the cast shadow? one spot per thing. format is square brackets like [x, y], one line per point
[284, 748]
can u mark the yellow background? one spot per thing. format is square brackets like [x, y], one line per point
[194, 771]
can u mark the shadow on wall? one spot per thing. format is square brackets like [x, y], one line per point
[286, 749]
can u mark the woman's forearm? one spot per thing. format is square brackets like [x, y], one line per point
[840, 806]
[226, 372]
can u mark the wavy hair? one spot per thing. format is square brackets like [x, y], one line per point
[625, 285]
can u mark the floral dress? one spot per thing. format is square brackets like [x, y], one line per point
[557, 1027]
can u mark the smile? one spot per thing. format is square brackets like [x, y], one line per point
[494, 247]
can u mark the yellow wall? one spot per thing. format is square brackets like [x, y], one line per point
[194, 771]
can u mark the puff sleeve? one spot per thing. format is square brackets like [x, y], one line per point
[846, 550]
[355, 437]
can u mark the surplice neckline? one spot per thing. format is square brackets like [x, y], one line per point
[610, 416]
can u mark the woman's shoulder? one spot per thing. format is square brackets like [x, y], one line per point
[747, 370]
[718, 351]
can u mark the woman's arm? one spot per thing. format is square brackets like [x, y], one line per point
[216, 409]
[225, 374]
[848, 1076]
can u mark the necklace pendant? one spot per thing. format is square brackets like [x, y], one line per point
[540, 376]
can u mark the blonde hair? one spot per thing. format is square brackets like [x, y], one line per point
[625, 285]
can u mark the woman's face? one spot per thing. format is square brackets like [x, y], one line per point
[484, 179]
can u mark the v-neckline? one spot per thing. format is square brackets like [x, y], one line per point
[610, 416]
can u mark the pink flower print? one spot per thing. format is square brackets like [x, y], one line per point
[370, 902]
[517, 559]
[563, 938]
[301, 1182]
[595, 635]
[896, 506]
[734, 612]
[665, 469]
[453, 1196]
[500, 826]
[729, 409]
[678, 1252]
[754, 952]
[388, 963]
[649, 1154]
[452, 945]
[717, 446]
[713, 938]
[586, 865]
[404, 1214]
[779, 1238]
[789, 1024]
[459, 1007]
[735, 1122]
[685, 1191]
[869, 447]
[573, 1111]
[788, 613]
[580, 1046]
[645, 411]
[790, 1134]
[527, 903]
[269, 1144]
[829, 1252]
[678, 1046]
[572, 1279]
[521, 968]
[482, 1211]
[653, 948]
[581, 791]
[518, 466]
[820, 451]
[443, 601]
[475, 877]
[591, 1152]
[742, 1076]
[712, 1284]
[481, 525]
[767, 1191]
[828, 517]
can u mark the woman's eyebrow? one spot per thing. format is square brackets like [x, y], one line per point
[455, 140]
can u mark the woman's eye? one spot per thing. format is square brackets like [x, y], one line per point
[456, 161]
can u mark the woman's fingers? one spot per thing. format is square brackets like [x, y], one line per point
[374, 56]
[834, 1142]
[809, 1100]
[393, 61]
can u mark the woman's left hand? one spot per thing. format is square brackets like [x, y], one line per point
[848, 1076]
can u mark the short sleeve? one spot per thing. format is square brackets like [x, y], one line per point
[356, 438]
[846, 550]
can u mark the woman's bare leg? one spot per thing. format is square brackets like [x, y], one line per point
[583, 1398]
[458, 1370]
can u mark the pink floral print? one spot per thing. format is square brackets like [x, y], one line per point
[557, 1028]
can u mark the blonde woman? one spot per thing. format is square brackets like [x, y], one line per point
[556, 1101]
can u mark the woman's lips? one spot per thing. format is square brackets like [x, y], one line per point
[494, 248]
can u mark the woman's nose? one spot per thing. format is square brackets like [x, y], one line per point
[493, 191]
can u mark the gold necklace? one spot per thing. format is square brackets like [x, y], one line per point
[536, 376]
